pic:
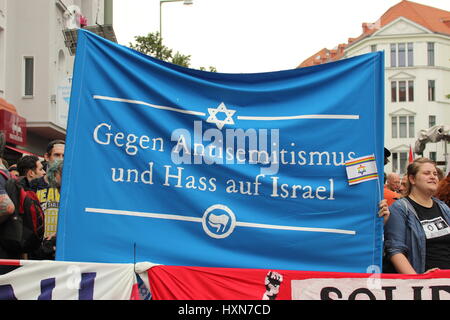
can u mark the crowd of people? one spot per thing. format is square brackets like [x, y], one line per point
[417, 233]
[415, 209]
[43, 180]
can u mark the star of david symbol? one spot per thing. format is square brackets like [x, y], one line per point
[361, 169]
[222, 108]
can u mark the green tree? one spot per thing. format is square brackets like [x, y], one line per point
[181, 60]
[211, 69]
[152, 45]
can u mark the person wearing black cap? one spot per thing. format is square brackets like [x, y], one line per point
[389, 195]
[387, 154]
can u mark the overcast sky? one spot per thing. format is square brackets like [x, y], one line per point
[246, 36]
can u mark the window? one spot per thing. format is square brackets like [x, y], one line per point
[430, 47]
[403, 162]
[394, 127]
[410, 54]
[402, 54]
[399, 162]
[432, 156]
[29, 76]
[431, 121]
[393, 55]
[373, 48]
[431, 90]
[394, 91]
[410, 90]
[411, 126]
[400, 92]
[394, 162]
[403, 126]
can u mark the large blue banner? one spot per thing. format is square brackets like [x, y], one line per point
[184, 167]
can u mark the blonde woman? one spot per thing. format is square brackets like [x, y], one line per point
[417, 234]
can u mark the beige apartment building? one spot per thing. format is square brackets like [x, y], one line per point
[415, 39]
[36, 66]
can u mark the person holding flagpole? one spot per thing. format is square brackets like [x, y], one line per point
[364, 169]
[417, 234]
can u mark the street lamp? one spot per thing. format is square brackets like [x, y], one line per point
[185, 2]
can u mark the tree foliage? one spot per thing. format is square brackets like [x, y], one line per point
[181, 60]
[152, 45]
[210, 69]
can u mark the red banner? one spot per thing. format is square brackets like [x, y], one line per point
[200, 283]
[14, 126]
[47, 280]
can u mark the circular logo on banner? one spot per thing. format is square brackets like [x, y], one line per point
[218, 221]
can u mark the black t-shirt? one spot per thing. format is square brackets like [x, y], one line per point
[437, 246]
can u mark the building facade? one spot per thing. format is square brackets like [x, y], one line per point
[36, 66]
[416, 42]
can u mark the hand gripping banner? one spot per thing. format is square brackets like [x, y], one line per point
[185, 167]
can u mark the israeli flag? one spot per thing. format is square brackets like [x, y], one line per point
[361, 169]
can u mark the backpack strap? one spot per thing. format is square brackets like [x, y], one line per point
[22, 195]
[3, 173]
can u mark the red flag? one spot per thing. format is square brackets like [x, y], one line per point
[411, 154]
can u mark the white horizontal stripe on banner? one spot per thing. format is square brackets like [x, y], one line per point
[196, 219]
[145, 214]
[308, 116]
[271, 226]
[195, 113]
[254, 118]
